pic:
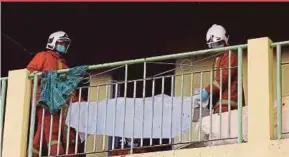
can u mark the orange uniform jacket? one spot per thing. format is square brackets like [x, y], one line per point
[221, 79]
[45, 61]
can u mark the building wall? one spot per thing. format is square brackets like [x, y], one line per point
[95, 94]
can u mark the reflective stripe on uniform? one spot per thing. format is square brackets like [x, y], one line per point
[60, 64]
[226, 102]
[54, 142]
[216, 84]
[35, 151]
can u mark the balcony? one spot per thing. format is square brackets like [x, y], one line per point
[158, 110]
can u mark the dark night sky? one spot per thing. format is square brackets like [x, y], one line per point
[105, 32]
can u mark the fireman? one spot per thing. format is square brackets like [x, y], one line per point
[217, 37]
[52, 59]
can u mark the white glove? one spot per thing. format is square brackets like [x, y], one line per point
[197, 99]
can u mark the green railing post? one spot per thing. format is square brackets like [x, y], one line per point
[240, 95]
[2, 104]
[32, 116]
[279, 91]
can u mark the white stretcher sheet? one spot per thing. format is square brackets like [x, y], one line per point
[90, 116]
[233, 126]
[223, 132]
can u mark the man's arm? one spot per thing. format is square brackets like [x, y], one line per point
[37, 63]
[75, 97]
[225, 73]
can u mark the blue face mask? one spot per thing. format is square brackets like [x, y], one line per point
[61, 49]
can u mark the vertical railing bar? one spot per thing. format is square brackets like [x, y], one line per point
[162, 118]
[211, 104]
[220, 101]
[229, 95]
[240, 95]
[182, 103]
[68, 127]
[96, 125]
[192, 109]
[279, 91]
[200, 114]
[32, 118]
[105, 121]
[77, 132]
[172, 107]
[88, 100]
[41, 133]
[50, 134]
[125, 103]
[143, 94]
[59, 132]
[114, 116]
[87, 118]
[1, 116]
[153, 111]
[133, 116]
[3, 97]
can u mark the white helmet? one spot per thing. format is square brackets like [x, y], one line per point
[215, 35]
[58, 36]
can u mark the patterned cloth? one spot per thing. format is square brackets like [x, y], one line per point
[56, 88]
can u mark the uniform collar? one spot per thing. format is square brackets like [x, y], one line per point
[54, 54]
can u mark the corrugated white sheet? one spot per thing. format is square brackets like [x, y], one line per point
[90, 116]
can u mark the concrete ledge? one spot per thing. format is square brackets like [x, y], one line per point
[278, 148]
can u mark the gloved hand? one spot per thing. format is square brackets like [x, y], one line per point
[204, 95]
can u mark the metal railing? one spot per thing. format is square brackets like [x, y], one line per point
[279, 64]
[3, 88]
[185, 103]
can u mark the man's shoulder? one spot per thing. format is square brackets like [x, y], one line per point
[230, 52]
[45, 54]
